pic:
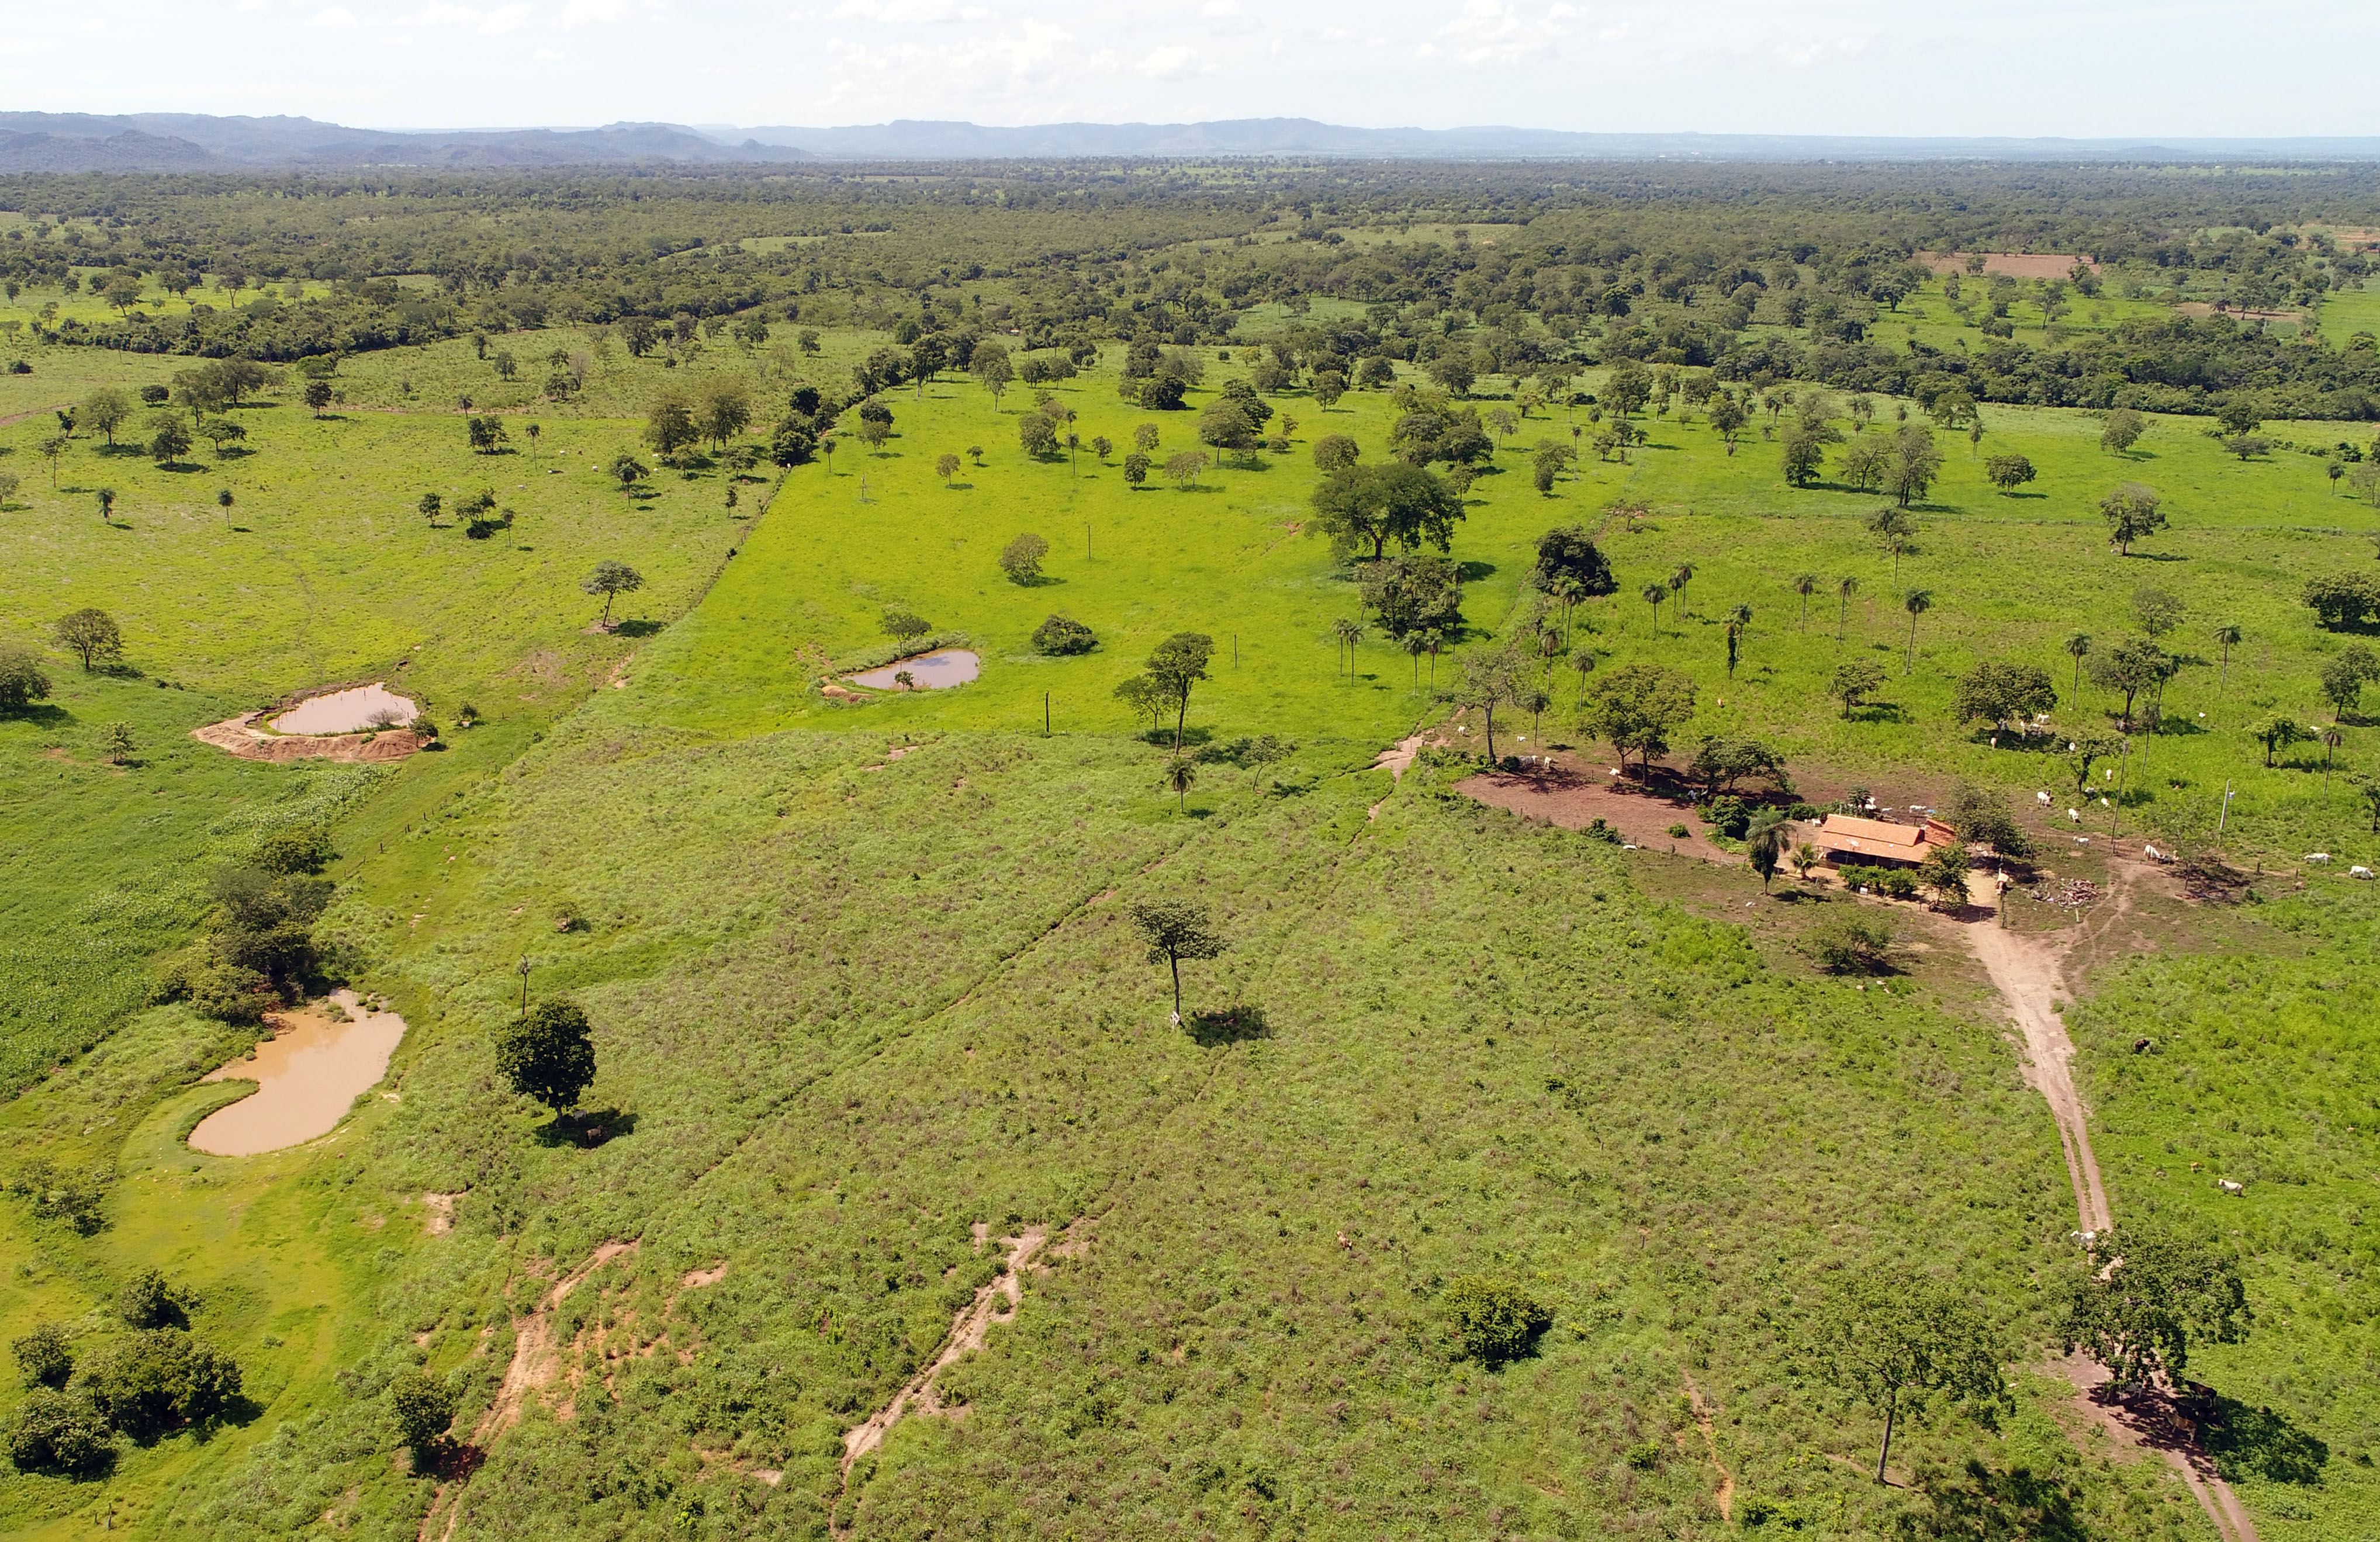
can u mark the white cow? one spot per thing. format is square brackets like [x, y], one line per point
[2358, 871]
[2228, 1186]
[2043, 798]
[2321, 856]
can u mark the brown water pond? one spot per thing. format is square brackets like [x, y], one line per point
[944, 666]
[307, 1075]
[348, 711]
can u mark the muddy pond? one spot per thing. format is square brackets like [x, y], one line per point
[944, 666]
[307, 1076]
[348, 711]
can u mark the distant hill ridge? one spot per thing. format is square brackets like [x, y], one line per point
[191, 142]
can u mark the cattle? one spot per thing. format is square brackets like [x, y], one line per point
[2228, 1186]
[2321, 856]
[2358, 871]
[2042, 798]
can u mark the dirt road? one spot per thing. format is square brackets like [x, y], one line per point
[2028, 972]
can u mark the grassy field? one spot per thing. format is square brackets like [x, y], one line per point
[849, 1003]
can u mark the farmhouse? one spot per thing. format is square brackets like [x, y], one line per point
[1876, 843]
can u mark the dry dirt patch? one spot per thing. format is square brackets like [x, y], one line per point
[1574, 797]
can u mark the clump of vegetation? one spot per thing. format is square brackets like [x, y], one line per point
[1021, 559]
[423, 1407]
[1852, 944]
[1063, 635]
[1495, 1321]
[547, 1054]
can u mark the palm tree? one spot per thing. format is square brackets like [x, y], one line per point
[2231, 637]
[2331, 738]
[1349, 634]
[1416, 644]
[1584, 662]
[1844, 589]
[1678, 581]
[1533, 701]
[2077, 645]
[1436, 637]
[1806, 585]
[1180, 773]
[1738, 620]
[1654, 594]
[1917, 601]
[1765, 842]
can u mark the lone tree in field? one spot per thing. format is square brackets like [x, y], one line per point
[1176, 929]
[2009, 472]
[1180, 775]
[92, 634]
[1179, 663]
[22, 679]
[2078, 648]
[1852, 681]
[2139, 1316]
[1021, 559]
[2123, 430]
[2003, 691]
[1636, 706]
[1896, 528]
[105, 410]
[1806, 585]
[624, 468]
[1894, 1343]
[2132, 513]
[1917, 601]
[946, 466]
[1494, 1321]
[611, 580]
[546, 1054]
[2131, 666]
[903, 627]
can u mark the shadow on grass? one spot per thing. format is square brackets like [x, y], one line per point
[1982, 1502]
[586, 1129]
[2257, 1443]
[637, 628]
[1231, 1024]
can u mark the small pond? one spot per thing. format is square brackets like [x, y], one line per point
[307, 1076]
[944, 666]
[348, 711]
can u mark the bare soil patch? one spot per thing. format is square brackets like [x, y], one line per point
[2016, 264]
[1574, 797]
[240, 736]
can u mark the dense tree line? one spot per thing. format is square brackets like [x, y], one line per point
[1759, 273]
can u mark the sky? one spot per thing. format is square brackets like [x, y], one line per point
[2082, 68]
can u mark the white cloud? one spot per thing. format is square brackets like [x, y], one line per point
[504, 19]
[590, 13]
[909, 13]
[1170, 63]
[547, 55]
[334, 15]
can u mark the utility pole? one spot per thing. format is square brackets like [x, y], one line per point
[1045, 715]
[524, 974]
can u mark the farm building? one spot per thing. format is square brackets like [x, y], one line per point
[1844, 839]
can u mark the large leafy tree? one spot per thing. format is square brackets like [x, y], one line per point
[546, 1053]
[2139, 1314]
[1636, 706]
[1896, 1343]
[1177, 665]
[611, 580]
[91, 633]
[2133, 513]
[1371, 505]
[2004, 691]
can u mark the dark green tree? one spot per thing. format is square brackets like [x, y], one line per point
[2138, 1315]
[611, 580]
[1896, 1342]
[1177, 665]
[1175, 931]
[91, 634]
[546, 1054]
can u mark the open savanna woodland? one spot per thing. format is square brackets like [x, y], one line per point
[1232, 850]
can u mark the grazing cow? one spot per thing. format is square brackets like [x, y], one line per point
[2043, 798]
[2321, 856]
[2228, 1186]
[2143, 1046]
[2359, 870]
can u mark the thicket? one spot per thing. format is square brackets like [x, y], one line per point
[1595, 264]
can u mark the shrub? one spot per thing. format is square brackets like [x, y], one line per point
[147, 1301]
[22, 679]
[1678, 831]
[1727, 814]
[2348, 599]
[1064, 634]
[1852, 945]
[1495, 1323]
[306, 849]
[44, 1359]
[151, 1382]
[423, 1406]
[53, 1432]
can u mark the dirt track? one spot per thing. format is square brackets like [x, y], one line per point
[2028, 972]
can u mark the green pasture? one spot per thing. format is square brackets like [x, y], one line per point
[846, 1004]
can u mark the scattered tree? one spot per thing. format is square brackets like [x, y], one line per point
[91, 633]
[2009, 472]
[1636, 706]
[1495, 1323]
[611, 580]
[546, 1054]
[2132, 513]
[1021, 559]
[1854, 680]
[422, 1406]
[2003, 692]
[1175, 931]
[1894, 1342]
[1917, 601]
[2138, 1315]
[2123, 430]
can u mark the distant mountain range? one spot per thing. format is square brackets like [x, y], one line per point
[190, 141]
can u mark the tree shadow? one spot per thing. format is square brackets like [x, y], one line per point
[1231, 1024]
[1192, 735]
[1472, 571]
[637, 628]
[2156, 556]
[2255, 1442]
[586, 1128]
[1983, 1502]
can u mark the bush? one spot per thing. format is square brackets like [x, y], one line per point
[53, 1432]
[147, 1301]
[219, 990]
[44, 1357]
[1062, 633]
[1021, 559]
[161, 1379]
[1728, 816]
[22, 679]
[1852, 945]
[1678, 831]
[424, 1406]
[1494, 1321]
[306, 849]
